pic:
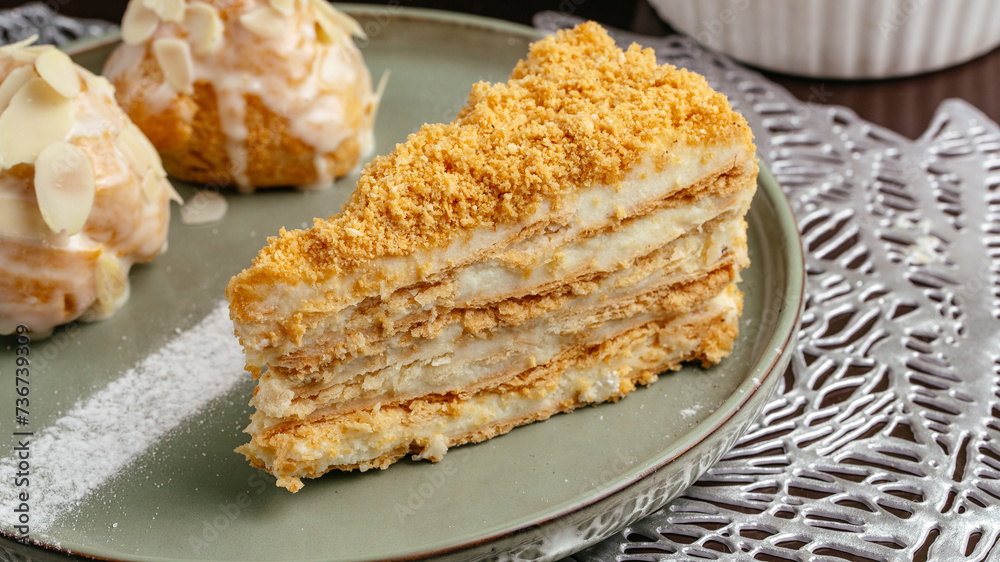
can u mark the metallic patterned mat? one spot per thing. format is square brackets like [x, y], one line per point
[38, 19]
[883, 442]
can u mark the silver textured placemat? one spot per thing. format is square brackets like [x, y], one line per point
[38, 19]
[882, 442]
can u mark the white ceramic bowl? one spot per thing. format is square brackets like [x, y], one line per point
[841, 38]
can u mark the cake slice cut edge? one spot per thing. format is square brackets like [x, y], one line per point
[425, 428]
[573, 233]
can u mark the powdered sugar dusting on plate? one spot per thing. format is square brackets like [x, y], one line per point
[104, 433]
[688, 412]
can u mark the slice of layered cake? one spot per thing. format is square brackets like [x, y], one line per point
[570, 235]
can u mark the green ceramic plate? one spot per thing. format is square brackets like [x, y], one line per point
[540, 492]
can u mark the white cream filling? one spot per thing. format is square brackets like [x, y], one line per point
[358, 444]
[466, 363]
[456, 360]
[593, 207]
[603, 253]
[493, 280]
[695, 252]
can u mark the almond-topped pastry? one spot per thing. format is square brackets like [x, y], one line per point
[573, 233]
[251, 93]
[83, 194]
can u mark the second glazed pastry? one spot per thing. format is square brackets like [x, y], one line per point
[251, 93]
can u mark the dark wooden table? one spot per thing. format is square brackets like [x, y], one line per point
[904, 105]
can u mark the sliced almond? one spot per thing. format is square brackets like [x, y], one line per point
[133, 151]
[263, 21]
[141, 153]
[153, 184]
[349, 23]
[147, 146]
[174, 58]
[167, 10]
[17, 51]
[173, 195]
[204, 27]
[29, 54]
[36, 117]
[340, 19]
[20, 218]
[64, 186]
[14, 82]
[112, 286]
[11, 47]
[139, 23]
[56, 68]
[380, 91]
[203, 208]
[97, 83]
[329, 32]
[286, 7]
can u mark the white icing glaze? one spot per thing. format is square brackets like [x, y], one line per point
[290, 64]
[69, 264]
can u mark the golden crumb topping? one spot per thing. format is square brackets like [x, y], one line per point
[577, 112]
